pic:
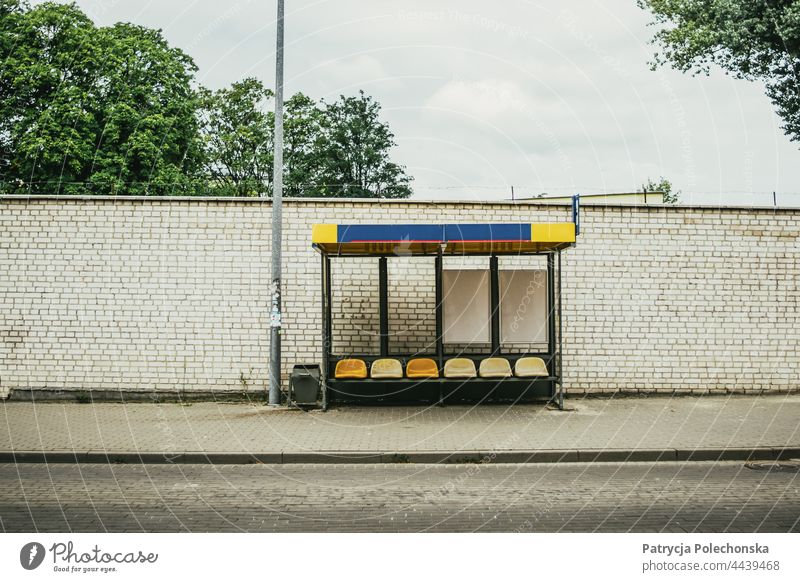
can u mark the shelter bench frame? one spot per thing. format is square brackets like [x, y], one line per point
[443, 390]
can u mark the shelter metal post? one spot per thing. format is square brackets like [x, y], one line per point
[494, 276]
[439, 317]
[383, 305]
[576, 213]
[551, 314]
[560, 341]
[326, 327]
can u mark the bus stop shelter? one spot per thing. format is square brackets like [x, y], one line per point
[442, 374]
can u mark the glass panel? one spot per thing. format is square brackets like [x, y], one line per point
[466, 306]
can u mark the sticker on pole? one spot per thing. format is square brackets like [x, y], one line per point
[275, 315]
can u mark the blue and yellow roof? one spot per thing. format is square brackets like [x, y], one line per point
[427, 239]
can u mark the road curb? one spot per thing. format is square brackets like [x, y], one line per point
[400, 457]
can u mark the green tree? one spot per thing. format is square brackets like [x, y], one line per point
[662, 185]
[238, 126]
[355, 152]
[237, 138]
[82, 108]
[754, 40]
[330, 150]
[113, 110]
[303, 126]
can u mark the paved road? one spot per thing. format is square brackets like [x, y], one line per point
[698, 496]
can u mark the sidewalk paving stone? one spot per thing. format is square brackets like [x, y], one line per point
[678, 427]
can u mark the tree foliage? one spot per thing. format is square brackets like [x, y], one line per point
[354, 152]
[237, 138]
[754, 40]
[116, 110]
[338, 149]
[304, 128]
[662, 185]
[107, 109]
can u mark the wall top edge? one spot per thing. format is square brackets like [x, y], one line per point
[372, 201]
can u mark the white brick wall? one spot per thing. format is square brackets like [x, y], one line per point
[172, 294]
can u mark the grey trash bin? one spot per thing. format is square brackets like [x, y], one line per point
[304, 383]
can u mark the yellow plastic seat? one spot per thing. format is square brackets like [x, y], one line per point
[422, 368]
[495, 368]
[459, 368]
[530, 367]
[350, 368]
[386, 368]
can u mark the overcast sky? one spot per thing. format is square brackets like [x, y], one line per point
[552, 97]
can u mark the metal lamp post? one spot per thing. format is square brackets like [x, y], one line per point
[277, 195]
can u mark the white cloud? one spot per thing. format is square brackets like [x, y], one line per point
[492, 100]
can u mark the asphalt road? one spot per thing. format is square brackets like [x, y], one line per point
[671, 497]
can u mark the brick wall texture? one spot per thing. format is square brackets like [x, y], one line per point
[173, 294]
